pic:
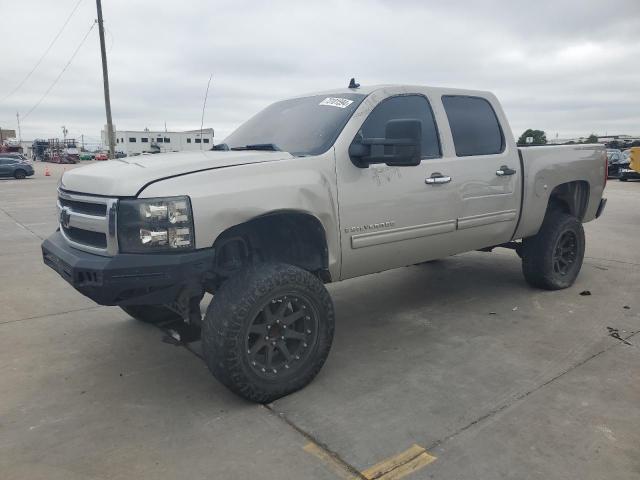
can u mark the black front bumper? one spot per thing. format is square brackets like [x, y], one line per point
[127, 279]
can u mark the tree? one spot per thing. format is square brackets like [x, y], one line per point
[539, 137]
[593, 138]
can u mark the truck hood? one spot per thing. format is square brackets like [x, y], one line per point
[126, 177]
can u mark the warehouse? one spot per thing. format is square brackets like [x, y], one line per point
[147, 141]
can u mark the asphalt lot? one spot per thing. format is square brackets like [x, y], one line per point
[451, 370]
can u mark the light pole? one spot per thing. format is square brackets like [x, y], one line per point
[19, 130]
[105, 77]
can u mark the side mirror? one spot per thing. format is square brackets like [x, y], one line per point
[400, 147]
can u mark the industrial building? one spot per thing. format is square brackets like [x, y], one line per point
[147, 141]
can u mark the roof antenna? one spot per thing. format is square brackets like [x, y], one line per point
[353, 84]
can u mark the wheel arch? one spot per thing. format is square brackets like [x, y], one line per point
[291, 236]
[570, 197]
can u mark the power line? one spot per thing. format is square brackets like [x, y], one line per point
[84, 39]
[55, 39]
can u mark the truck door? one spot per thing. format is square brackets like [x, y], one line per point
[394, 216]
[489, 185]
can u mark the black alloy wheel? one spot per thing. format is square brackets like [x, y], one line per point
[268, 331]
[552, 258]
[565, 253]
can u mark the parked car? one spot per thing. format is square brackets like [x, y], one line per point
[121, 155]
[14, 167]
[614, 159]
[86, 156]
[312, 190]
[63, 158]
[102, 156]
[19, 156]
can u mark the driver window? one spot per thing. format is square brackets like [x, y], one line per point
[414, 107]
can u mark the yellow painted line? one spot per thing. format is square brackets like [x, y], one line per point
[392, 468]
[411, 466]
[390, 465]
[334, 464]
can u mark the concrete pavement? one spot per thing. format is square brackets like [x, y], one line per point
[459, 356]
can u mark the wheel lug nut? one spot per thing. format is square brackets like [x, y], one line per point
[282, 337]
[267, 337]
[263, 369]
[297, 357]
[304, 344]
[253, 363]
[277, 321]
[286, 366]
[268, 327]
[284, 326]
[275, 371]
[308, 331]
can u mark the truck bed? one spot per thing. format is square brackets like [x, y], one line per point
[546, 168]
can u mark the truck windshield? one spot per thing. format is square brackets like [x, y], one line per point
[300, 126]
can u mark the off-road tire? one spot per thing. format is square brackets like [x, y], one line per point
[538, 252]
[19, 174]
[151, 313]
[234, 310]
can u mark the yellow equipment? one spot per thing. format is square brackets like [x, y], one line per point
[633, 170]
[634, 157]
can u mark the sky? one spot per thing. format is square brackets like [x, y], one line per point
[567, 67]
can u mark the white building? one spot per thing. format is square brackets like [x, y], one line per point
[140, 141]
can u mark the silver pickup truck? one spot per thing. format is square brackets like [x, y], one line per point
[311, 190]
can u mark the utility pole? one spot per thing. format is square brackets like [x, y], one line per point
[105, 76]
[19, 131]
[82, 140]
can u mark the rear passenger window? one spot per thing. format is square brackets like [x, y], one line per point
[406, 107]
[474, 126]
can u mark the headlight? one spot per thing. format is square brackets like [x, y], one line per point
[155, 224]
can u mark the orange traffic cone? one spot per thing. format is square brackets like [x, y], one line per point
[47, 173]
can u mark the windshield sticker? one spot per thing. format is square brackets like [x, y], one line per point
[336, 102]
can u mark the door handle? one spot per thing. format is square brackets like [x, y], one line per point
[436, 179]
[504, 171]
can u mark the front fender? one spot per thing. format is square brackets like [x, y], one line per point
[227, 197]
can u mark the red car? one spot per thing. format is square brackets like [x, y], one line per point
[102, 156]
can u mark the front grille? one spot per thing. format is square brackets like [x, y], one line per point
[88, 222]
[98, 209]
[86, 237]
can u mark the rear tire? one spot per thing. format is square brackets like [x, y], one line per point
[622, 179]
[552, 259]
[268, 331]
[151, 313]
[19, 174]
